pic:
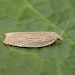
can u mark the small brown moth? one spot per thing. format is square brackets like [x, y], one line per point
[31, 39]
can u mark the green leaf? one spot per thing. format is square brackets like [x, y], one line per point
[38, 15]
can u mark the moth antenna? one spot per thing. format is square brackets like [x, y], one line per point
[66, 26]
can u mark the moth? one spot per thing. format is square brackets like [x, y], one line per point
[31, 39]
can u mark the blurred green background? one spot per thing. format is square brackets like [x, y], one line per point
[38, 15]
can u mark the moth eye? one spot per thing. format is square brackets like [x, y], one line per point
[58, 39]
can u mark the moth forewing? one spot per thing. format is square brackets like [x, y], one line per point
[31, 39]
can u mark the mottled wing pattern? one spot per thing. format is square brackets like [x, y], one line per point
[30, 39]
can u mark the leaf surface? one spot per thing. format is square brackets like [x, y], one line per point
[38, 15]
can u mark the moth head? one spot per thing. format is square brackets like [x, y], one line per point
[59, 37]
[56, 36]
